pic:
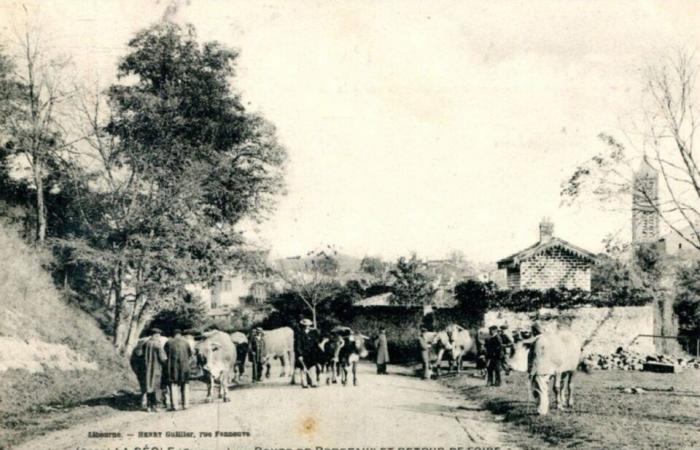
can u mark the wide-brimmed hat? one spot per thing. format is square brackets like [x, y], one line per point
[305, 322]
[177, 331]
[258, 329]
[504, 326]
[493, 327]
[156, 331]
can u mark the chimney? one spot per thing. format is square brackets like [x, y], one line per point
[546, 230]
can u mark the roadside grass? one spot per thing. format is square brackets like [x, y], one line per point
[602, 417]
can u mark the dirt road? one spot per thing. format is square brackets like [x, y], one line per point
[395, 410]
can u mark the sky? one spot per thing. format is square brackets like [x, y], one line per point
[412, 126]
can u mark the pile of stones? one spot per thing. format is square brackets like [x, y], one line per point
[627, 360]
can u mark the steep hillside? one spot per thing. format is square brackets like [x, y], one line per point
[50, 352]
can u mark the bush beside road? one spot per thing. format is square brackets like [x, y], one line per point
[606, 413]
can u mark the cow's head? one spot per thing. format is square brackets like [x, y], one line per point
[359, 342]
[206, 355]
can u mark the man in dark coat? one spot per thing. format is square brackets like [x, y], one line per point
[256, 353]
[154, 357]
[306, 349]
[179, 354]
[494, 356]
[382, 352]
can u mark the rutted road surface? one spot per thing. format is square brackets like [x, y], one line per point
[394, 410]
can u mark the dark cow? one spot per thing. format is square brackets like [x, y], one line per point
[329, 357]
[350, 353]
[216, 356]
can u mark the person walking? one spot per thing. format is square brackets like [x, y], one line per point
[178, 353]
[382, 352]
[494, 356]
[153, 357]
[256, 353]
[424, 342]
[305, 347]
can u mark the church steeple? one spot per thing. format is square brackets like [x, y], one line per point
[645, 200]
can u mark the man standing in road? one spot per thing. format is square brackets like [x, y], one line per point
[382, 352]
[425, 342]
[494, 356]
[154, 357]
[178, 352]
[256, 352]
[305, 348]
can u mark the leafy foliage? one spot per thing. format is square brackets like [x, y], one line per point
[687, 301]
[411, 286]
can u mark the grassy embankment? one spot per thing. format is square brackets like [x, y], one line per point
[603, 417]
[75, 371]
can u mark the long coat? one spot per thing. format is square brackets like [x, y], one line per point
[178, 352]
[382, 349]
[154, 357]
[256, 349]
[306, 346]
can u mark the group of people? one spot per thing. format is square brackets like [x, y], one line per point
[165, 368]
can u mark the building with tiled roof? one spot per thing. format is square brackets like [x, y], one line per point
[550, 263]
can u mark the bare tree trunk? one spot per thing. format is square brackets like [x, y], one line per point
[40, 201]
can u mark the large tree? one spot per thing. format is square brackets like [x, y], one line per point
[34, 127]
[176, 163]
[411, 286]
[661, 133]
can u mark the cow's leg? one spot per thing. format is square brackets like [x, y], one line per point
[438, 362]
[459, 362]
[569, 402]
[210, 382]
[268, 365]
[343, 374]
[283, 361]
[354, 374]
[558, 382]
[144, 400]
[224, 384]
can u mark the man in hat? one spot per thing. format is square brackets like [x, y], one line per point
[256, 353]
[154, 357]
[178, 352]
[382, 352]
[494, 355]
[425, 343]
[305, 348]
[508, 348]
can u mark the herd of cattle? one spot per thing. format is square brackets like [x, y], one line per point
[220, 358]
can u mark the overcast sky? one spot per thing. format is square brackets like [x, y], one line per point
[415, 126]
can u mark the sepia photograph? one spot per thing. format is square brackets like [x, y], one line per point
[349, 225]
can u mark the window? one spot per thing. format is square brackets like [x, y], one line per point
[226, 285]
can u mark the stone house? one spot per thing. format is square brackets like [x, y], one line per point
[550, 263]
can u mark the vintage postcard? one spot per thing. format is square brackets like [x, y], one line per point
[349, 225]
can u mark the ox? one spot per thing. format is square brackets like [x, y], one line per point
[454, 342]
[552, 355]
[216, 356]
[279, 344]
[329, 357]
[350, 353]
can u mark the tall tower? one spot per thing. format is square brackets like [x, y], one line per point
[645, 200]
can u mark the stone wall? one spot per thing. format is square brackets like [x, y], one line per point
[555, 268]
[602, 330]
